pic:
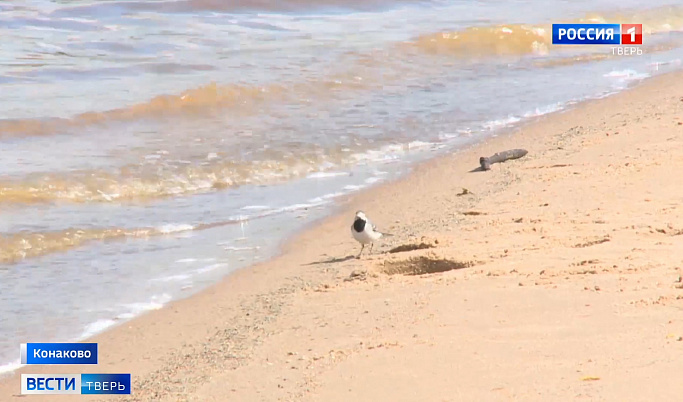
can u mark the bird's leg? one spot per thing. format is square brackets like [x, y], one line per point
[371, 245]
[361, 250]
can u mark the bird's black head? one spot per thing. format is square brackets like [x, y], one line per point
[359, 224]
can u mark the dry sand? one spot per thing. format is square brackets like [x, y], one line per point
[562, 281]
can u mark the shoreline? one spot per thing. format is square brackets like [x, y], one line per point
[496, 127]
[225, 327]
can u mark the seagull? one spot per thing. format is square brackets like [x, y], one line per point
[365, 232]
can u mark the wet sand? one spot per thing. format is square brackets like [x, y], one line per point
[553, 277]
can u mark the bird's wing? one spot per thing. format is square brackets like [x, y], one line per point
[374, 228]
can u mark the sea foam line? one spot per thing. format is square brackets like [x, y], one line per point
[7, 368]
[100, 325]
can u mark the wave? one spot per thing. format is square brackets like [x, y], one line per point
[592, 57]
[206, 100]
[485, 41]
[139, 182]
[526, 39]
[467, 43]
[18, 246]
[166, 178]
[15, 247]
[267, 6]
[199, 100]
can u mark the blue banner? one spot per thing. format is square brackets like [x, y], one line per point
[105, 384]
[586, 34]
[58, 353]
[50, 384]
[76, 384]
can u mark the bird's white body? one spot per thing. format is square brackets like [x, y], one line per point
[364, 231]
[368, 235]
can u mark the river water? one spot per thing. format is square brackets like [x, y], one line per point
[148, 148]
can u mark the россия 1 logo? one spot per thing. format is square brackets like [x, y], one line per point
[630, 35]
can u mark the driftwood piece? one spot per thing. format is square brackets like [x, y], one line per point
[501, 157]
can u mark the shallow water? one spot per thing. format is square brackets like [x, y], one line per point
[147, 148]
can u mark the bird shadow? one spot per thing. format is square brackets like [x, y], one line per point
[333, 260]
[478, 169]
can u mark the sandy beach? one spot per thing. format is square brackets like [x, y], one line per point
[553, 277]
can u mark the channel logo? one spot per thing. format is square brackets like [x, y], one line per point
[598, 34]
[75, 384]
[68, 384]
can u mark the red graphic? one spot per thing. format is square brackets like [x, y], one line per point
[631, 34]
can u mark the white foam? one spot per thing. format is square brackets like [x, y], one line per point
[419, 144]
[325, 199]
[255, 207]
[326, 175]
[211, 267]
[448, 136]
[96, 327]
[295, 207]
[540, 111]
[172, 278]
[174, 228]
[106, 196]
[232, 248]
[510, 120]
[186, 260]
[657, 64]
[620, 73]
[621, 79]
[499, 123]
[155, 303]
[387, 152]
[353, 187]
[9, 367]
[626, 75]
[38, 28]
[83, 20]
[372, 180]
[50, 46]
[239, 218]
[332, 195]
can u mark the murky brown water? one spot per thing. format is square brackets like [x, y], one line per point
[150, 147]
